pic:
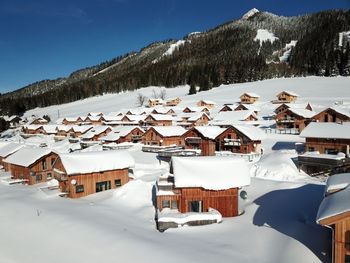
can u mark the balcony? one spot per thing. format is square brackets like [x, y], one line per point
[193, 140]
[232, 142]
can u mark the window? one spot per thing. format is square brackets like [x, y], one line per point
[38, 177]
[102, 186]
[173, 204]
[326, 118]
[347, 241]
[311, 149]
[49, 175]
[118, 183]
[53, 161]
[79, 189]
[165, 204]
[44, 164]
[195, 206]
[229, 136]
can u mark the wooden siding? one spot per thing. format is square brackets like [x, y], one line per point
[30, 173]
[246, 99]
[289, 120]
[322, 145]
[330, 115]
[225, 201]
[286, 98]
[152, 137]
[341, 238]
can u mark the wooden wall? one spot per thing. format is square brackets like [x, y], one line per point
[247, 99]
[21, 172]
[151, 137]
[321, 145]
[330, 115]
[225, 201]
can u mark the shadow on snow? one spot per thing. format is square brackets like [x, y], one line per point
[293, 213]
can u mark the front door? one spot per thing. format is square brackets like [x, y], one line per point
[102, 186]
[195, 206]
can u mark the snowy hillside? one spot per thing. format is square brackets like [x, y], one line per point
[316, 90]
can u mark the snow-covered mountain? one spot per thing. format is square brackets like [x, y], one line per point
[257, 46]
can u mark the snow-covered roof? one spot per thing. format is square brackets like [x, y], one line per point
[93, 162]
[82, 128]
[9, 148]
[136, 117]
[326, 130]
[291, 93]
[26, 156]
[195, 108]
[343, 111]
[251, 94]
[32, 126]
[72, 119]
[210, 172]
[233, 116]
[337, 202]
[197, 115]
[308, 114]
[112, 118]
[162, 117]
[210, 132]
[168, 131]
[65, 128]
[50, 129]
[93, 118]
[96, 130]
[209, 102]
[252, 132]
[249, 107]
[119, 131]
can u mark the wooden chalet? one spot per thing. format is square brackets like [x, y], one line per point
[293, 118]
[235, 139]
[286, 97]
[95, 133]
[32, 165]
[284, 106]
[206, 103]
[155, 102]
[133, 119]
[95, 114]
[227, 118]
[201, 183]
[64, 130]
[249, 98]
[333, 114]
[94, 120]
[39, 121]
[327, 147]
[6, 150]
[78, 130]
[136, 112]
[122, 134]
[329, 138]
[158, 120]
[72, 120]
[195, 109]
[193, 119]
[33, 129]
[228, 107]
[247, 107]
[164, 136]
[334, 213]
[173, 102]
[82, 174]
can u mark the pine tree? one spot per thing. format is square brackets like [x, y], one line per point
[193, 89]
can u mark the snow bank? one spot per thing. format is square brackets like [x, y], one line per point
[168, 215]
[263, 35]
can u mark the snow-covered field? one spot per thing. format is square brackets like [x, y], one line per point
[118, 225]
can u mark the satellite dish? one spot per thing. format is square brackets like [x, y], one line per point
[243, 194]
[73, 182]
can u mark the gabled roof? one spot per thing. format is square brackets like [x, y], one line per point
[335, 203]
[197, 115]
[27, 156]
[252, 132]
[307, 114]
[50, 129]
[169, 131]
[161, 117]
[210, 132]
[33, 127]
[136, 118]
[96, 130]
[81, 128]
[251, 94]
[93, 162]
[233, 116]
[119, 131]
[248, 107]
[210, 172]
[326, 130]
[9, 148]
[291, 93]
[340, 110]
[210, 102]
[65, 128]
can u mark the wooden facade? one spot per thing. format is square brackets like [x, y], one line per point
[135, 135]
[324, 145]
[152, 121]
[152, 137]
[193, 139]
[79, 185]
[38, 172]
[155, 102]
[224, 201]
[286, 97]
[290, 120]
[208, 104]
[247, 98]
[341, 236]
[331, 115]
[173, 102]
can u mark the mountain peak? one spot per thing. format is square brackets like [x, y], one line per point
[250, 13]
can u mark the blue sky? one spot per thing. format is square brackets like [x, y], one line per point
[45, 39]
